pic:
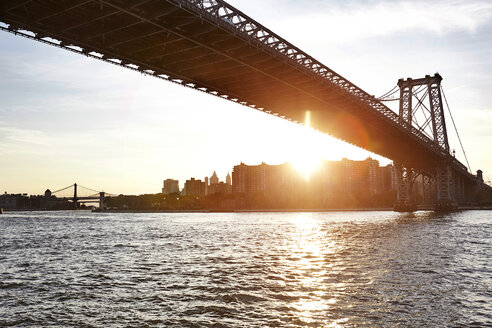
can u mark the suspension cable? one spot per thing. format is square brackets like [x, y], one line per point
[387, 94]
[88, 188]
[62, 189]
[456, 130]
[82, 187]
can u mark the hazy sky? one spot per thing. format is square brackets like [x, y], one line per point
[66, 118]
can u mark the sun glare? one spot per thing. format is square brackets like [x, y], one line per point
[306, 165]
[309, 157]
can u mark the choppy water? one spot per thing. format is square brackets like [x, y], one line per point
[246, 269]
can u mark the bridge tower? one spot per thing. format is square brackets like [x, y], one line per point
[102, 194]
[447, 185]
[75, 204]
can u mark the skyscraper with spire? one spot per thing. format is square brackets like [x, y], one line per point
[219, 187]
[214, 179]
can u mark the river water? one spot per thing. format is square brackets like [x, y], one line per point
[337, 269]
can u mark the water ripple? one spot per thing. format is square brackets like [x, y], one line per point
[344, 269]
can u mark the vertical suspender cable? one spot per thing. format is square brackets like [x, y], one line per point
[455, 129]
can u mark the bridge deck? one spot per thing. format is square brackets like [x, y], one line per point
[211, 46]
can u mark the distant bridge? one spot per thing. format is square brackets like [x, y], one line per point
[79, 194]
[210, 46]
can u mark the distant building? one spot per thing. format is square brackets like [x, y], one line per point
[228, 179]
[220, 187]
[355, 177]
[216, 186]
[388, 178]
[170, 186]
[14, 201]
[360, 176]
[264, 178]
[214, 179]
[194, 187]
[34, 202]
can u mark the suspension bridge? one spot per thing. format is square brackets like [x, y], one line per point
[210, 46]
[79, 194]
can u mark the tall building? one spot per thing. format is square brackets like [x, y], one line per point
[362, 177]
[217, 186]
[194, 187]
[228, 179]
[388, 178]
[214, 179]
[264, 178]
[170, 186]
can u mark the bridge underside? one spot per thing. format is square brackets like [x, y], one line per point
[177, 41]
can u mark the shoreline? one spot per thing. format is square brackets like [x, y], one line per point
[244, 210]
[312, 210]
[315, 210]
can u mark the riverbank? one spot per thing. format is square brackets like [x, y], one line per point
[241, 210]
[42, 210]
[317, 210]
[369, 209]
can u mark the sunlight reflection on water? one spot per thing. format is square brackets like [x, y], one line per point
[339, 269]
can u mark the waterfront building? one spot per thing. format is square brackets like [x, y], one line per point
[388, 178]
[355, 181]
[206, 185]
[170, 186]
[194, 187]
[360, 176]
[14, 201]
[33, 202]
[264, 178]
[353, 176]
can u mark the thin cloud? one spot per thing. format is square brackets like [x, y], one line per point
[28, 136]
[349, 22]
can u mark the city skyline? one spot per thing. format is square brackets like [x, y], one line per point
[63, 118]
[335, 184]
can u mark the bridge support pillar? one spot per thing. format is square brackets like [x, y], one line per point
[427, 192]
[75, 199]
[459, 187]
[101, 200]
[404, 200]
[446, 197]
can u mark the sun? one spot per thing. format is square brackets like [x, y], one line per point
[308, 158]
[306, 165]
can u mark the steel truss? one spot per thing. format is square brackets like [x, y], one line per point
[405, 178]
[448, 187]
[225, 17]
[434, 114]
